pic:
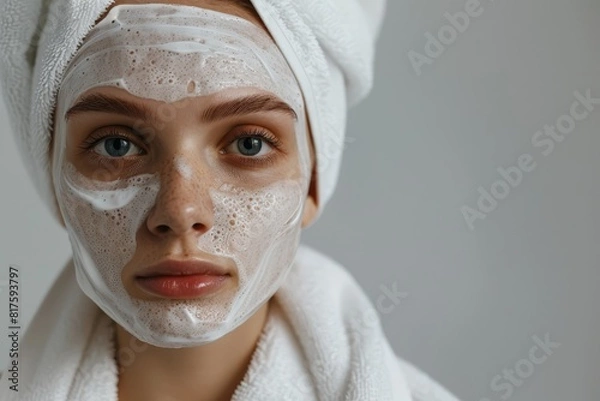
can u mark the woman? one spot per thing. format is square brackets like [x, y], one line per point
[185, 145]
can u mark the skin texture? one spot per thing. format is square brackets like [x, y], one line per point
[212, 371]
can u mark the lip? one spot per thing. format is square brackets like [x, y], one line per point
[178, 279]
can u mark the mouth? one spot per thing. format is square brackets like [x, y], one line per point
[183, 279]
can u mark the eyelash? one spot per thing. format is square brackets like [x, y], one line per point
[271, 140]
[90, 142]
[112, 132]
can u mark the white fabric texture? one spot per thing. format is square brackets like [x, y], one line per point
[322, 341]
[328, 44]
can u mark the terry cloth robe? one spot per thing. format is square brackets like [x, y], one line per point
[322, 341]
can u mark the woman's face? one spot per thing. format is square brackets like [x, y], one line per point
[179, 151]
[191, 146]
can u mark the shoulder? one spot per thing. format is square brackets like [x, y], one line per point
[335, 283]
[340, 288]
[308, 254]
[421, 386]
[309, 259]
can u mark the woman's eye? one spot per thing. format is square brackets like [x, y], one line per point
[116, 147]
[250, 146]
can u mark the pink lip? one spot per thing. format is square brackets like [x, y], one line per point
[182, 279]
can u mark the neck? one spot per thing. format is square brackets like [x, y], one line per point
[207, 372]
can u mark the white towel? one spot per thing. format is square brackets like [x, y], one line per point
[329, 45]
[320, 342]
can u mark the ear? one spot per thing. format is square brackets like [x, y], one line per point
[310, 205]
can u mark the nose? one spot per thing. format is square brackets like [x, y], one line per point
[183, 204]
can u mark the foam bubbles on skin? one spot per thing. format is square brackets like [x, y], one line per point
[105, 216]
[159, 62]
[258, 229]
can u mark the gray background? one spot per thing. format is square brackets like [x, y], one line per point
[421, 146]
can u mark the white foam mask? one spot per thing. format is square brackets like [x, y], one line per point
[169, 53]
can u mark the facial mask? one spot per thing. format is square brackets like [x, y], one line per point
[169, 53]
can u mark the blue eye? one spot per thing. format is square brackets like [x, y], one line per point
[116, 147]
[250, 146]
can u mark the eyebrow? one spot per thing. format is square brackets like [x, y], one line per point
[107, 104]
[246, 105]
[229, 108]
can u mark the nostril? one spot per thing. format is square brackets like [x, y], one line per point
[165, 228]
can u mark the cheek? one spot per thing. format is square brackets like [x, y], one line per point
[246, 221]
[104, 218]
[259, 230]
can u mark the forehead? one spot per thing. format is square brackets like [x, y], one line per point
[195, 52]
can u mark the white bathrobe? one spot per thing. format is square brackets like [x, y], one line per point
[322, 341]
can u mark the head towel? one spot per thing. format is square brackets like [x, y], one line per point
[329, 45]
